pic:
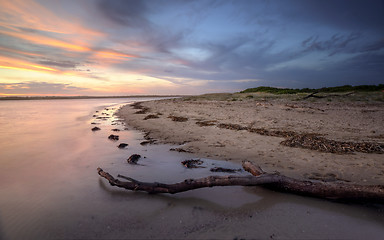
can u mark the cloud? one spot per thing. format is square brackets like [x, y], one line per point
[60, 64]
[335, 44]
[193, 44]
[376, 46]
[127, 13]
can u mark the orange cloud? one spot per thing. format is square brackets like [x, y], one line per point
[114, 55]
[42, 40]
[29, 14]
[3, 49]
[35, 23]
[16, 64]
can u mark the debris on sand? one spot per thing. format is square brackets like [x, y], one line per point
[151, 116]
[192, 163]
[143, 110]
[231, 126]
[178, 119]
[179, 150]
[227, 170]
[206, 123]
[273, 133]
[313, 142]
[133, 158]
[137, 105]
[103, 118]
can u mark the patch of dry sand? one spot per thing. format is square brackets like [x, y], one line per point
[200, 134]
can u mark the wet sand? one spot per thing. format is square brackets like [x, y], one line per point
[219, 129]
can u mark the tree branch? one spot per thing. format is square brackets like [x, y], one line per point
[336, 190]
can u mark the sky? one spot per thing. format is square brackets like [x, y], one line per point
[118, 47]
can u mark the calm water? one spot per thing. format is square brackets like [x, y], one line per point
[49, 187]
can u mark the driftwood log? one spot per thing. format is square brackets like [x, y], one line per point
[313, 95]
[330, 95]
[335, 190]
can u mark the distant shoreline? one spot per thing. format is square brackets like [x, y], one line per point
[85, 97]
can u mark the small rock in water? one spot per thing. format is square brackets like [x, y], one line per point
[133, 158]
[113, 137]
[144, 143]
[116, 130]
[122, 145]
[178, 150]
[193, 163]
[95, 129]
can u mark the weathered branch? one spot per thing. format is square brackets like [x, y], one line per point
[186, 185]
[313, 95]
[330, 95]
[336, 190]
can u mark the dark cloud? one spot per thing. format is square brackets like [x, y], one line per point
[337, 43]
[351, 15]
[60, 64]
[376, 46]
[370, 65]
[128, 13]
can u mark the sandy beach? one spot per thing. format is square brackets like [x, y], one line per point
[329, 139]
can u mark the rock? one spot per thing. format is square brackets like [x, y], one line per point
[113, 137]
[133, 158]
[192, 163]
[96, 129]
[144, 143]
[122, 145]
[116, 130]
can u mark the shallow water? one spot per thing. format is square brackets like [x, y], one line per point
[50, 188]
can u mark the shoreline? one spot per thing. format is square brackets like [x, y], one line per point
[255, 128]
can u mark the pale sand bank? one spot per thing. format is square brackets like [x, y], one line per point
[334, 119]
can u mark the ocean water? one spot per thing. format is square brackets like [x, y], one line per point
[50, 189]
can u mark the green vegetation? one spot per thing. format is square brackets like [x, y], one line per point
[345, 88]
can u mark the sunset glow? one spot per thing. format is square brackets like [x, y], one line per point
[188, 47]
